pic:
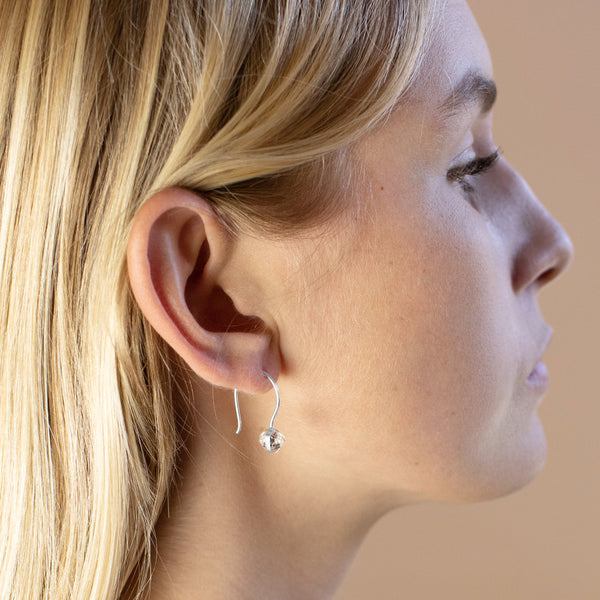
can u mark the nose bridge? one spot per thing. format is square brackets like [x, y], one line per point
[545, 250]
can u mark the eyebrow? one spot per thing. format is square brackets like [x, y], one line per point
[472, 88]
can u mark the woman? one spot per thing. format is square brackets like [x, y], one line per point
[220, 205]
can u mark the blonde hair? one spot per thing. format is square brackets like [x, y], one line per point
[104, 102]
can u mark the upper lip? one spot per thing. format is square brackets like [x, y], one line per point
[545, 345]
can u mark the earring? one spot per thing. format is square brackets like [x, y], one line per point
[270, 439]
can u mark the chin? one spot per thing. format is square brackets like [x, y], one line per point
[487, 475]
[515, 467]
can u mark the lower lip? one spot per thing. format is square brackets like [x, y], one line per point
[539, 378]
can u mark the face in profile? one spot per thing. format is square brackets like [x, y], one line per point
[410, 333]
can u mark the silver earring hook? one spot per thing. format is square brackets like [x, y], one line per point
[270, 439]
[237, 404]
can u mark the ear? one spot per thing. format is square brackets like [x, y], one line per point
[177, 252]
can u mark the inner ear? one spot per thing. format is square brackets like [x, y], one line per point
[210, 305]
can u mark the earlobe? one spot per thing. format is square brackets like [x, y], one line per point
[177, 252]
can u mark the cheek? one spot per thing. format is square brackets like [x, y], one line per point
[405, 355]
[448, 330]
[459, 373]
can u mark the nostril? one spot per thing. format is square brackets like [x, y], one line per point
[543, 258]
[549, 275]
[561, 257]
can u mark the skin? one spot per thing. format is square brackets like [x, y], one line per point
[401, 336]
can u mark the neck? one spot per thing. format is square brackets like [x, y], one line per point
[243, 527]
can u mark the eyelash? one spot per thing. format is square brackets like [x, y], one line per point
[476, 166]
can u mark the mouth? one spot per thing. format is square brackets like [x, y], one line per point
[539, 378]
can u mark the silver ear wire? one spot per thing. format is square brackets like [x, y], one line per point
[270, 439]
[237, 411]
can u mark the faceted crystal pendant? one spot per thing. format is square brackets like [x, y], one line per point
[271, 440]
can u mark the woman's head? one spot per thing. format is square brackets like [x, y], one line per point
[250, 106]
[404, 333]
[410, 331]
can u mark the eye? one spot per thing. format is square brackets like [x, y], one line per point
[477, 166]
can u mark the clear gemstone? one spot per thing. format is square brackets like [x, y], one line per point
[271, 440]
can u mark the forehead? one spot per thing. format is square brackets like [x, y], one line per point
[418, 136]
[454, 48]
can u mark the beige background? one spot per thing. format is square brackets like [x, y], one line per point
[543, 542]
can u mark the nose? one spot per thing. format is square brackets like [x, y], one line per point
[546, 249]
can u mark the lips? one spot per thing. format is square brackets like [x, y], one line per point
[539, 378]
